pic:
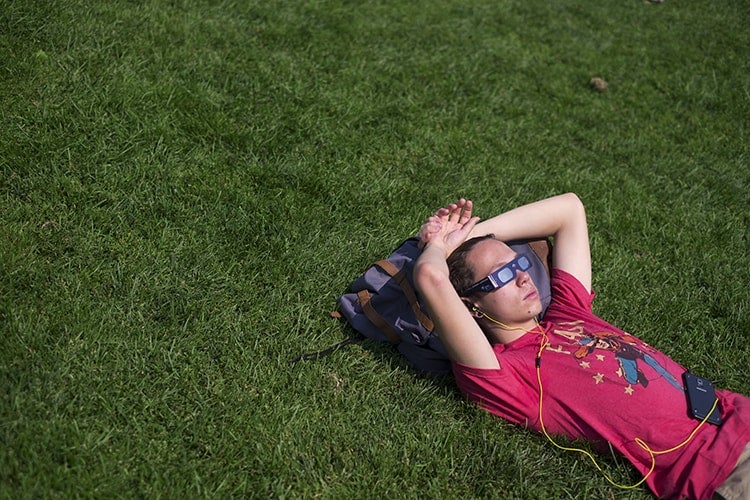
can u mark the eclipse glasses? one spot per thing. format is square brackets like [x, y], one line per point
[501, 277]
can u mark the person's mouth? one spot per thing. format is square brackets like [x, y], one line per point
[533, 294]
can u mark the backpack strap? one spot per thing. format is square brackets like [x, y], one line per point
[363, 296]
[326, 352]
[400, 277]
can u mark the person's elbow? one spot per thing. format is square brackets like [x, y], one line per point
[573, 212]
[574, 203]
[428, 276]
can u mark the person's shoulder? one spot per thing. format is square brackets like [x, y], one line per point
[568, 291]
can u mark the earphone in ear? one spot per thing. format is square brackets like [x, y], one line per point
[482, 314]
[476, 310]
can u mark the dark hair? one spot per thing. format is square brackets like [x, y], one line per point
[461, 273]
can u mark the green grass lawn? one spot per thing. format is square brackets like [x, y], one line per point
[187, 186]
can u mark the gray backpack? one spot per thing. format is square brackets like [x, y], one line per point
[383, 305]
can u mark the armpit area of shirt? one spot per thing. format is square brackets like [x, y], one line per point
[523, 346]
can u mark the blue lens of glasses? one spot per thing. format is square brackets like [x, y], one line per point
[505, 274]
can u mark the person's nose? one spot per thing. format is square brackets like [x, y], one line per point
[522, 277]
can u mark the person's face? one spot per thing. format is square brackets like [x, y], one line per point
[514, 303]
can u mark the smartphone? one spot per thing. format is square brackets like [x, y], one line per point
[700, 398]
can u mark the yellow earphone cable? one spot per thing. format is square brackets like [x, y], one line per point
[639, 441]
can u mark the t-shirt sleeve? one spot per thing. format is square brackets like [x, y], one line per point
[568, 293]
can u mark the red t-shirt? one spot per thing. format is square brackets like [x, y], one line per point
[602, 384]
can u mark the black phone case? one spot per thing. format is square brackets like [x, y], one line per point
[700, 397]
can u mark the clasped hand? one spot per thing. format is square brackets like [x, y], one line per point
[449, 226]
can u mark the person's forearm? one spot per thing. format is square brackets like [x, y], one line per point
[536, 220]
[460, 334]
[562, 217]
[431, 264]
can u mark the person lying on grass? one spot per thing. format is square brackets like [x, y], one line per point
[573, 374]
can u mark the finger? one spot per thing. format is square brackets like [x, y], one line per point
[469, 225]
[460, 208]
[466, 211]
[427, 230]
[433, 223]
[454, 212]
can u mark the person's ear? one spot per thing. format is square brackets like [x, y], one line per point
[473, 309]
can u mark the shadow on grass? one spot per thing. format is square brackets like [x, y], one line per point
[383, 353]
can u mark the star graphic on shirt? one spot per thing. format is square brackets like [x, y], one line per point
[585, 364]
[600, 357]
[629, 390]
[619, 372]
[599, 378]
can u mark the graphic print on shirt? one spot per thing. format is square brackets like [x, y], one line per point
[628, 353]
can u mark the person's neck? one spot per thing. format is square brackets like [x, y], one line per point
[506, 334]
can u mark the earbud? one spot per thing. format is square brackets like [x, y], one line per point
[482, 314]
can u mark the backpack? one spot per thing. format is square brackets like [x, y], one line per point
[383, 305]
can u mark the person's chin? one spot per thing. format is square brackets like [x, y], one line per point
[534, 303]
